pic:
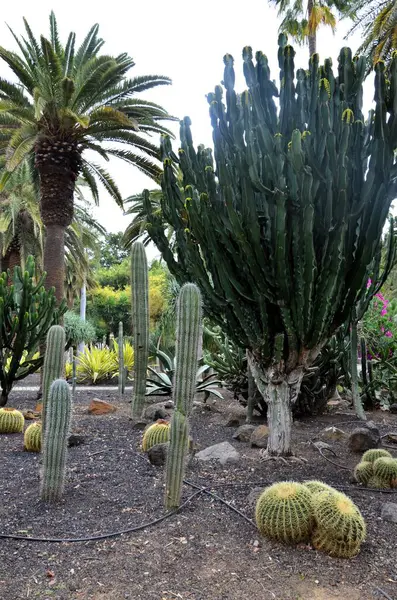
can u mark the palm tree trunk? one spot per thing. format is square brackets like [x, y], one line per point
[54, 259]
[312, 36]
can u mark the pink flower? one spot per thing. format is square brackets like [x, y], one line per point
[383, 312]
[369, 283]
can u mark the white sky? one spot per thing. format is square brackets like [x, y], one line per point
[184, 40]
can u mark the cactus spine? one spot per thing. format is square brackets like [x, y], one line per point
[120, 350]
[140, 324]
[53, 364]
[11, 420]
[32, 438]
[188, 336]
[59, 411]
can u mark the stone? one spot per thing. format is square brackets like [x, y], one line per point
[153, 412]
[393, 408]
[244, 432]
[236, 416]
[39, 407]
[253, 496]
[259, 436]
[100, 407]
[322, 445]
[76, 440]
[364, 438]
[391, 437]
[157, 454]
[139, 424]
[30, 415]
[333, 433]
[389, 512]
[224, 452]
[169, 404]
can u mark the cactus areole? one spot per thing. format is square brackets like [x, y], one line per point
[279, 229]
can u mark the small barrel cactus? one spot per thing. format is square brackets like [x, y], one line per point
[338, 517]
[315, 486]
[158, 433]
[32, 438]
[334, 547]
[284, 512]
[385, 469]
[378, 484]
[59, 410]
[11, 420]
[363, 472]
[375, 453]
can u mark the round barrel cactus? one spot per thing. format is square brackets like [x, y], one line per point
[334, 547]
[284, 512]
[32, 438]
[158, 433]
[11, 420]
[315, 486]
[338, 517]
[373, 455]
[386, 469]
[363, 472]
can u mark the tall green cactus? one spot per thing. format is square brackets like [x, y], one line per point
[59, 412]
[140, 324]
[54, 364]
[120, 349]
[188, 336]
[280, 230]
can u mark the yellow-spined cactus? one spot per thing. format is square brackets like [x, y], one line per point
[315, 486]
[385, 469]
[284, 512]
[11, 420]
[378, 483]
[158, 433]
[375, 453]
[338, 517]
[363, 472]
[334, 547]
[32, 438]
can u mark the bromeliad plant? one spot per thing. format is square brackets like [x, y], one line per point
[280, 229]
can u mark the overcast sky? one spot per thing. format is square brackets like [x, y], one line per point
[185, 40]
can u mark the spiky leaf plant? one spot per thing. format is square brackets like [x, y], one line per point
[11, 420]
[158, 433]
[32, 438]
[374, 453]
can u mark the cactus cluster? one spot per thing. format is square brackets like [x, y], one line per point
[140, 324]
[54, 362]
[59, 410]
[377, 469]
[32, 438]
[158, 433]
[11, 420]
[292, 512]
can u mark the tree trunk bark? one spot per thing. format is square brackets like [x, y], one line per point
[54, 259]
[358, 407]
[312, 36]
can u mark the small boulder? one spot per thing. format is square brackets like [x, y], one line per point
[157, 454]
[76, 440]
[100, 407]
[153, 412]
[259, 436]
[253, 496]
[236, 416]
[322, 445]
[333, 433]
[30, 415]
[169, 404]
[244, 432]
[364, 438]
[389, 512]
[393, 408]
[139, 424]
[224, 452]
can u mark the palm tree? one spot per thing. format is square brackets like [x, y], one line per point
[302, 20]
[378, 20]
[68, 100]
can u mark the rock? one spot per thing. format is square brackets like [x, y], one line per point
[364, 437]
[157, 454]
[333, 433]
[244, 432]
[393, 408]
[39, 407]
[224, 452]
[76, 440]
[236, 416]
[153, 412]
[391, 437]
[139, 425]
[322, 445]
[169, 404]
[100, 407]
[389, 512]
[30, 415]
[211, 404]
[253, 496]
[259, 436]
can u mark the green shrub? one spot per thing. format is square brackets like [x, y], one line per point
[77, 330]
[96, 364]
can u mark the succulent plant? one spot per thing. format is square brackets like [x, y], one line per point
[316, 486]
[11, 420]
[32, 438]
[54, 364]
[378, 483]
[59, 410]
[338, 517]
[334, 547]
[140, 324]
[284, 512]
[375, 453]
[363, 472]
[158, 433]
[385, 469]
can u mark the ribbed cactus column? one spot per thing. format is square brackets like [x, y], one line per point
[59, 411]
[120, 342]
[140, 324]
[54, 362]
[188, 337]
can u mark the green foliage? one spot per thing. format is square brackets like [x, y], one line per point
[59, 413]
[77, 330]
[96, 364]
[11, 420]
[338, 548]
[315, 486]
[140, 324]
[106, 308]
[377, 483]
[158, 433]
[375, 453]
[385, 469]
[32, 438]
[27, 311]
[284, 512]
[363, 472]
[54, 364]
[112, 251]
[338, 517]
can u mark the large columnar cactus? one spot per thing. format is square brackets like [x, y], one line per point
[120, 342]
[281, 229]
[11, 420]
[188, 336]
[59, 412]
[140, 324]
[54, 364]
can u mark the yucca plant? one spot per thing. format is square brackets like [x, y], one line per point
[95, 364]
[128, 353]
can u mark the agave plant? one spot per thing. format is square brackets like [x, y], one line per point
[160, 383]
[128, 352]
[95, 364]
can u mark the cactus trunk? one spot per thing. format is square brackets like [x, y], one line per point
[140, 324]
[53, 364]
[358, 407]
[120, 342]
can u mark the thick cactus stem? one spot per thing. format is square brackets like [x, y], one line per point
[179, 442]
[140, 324]
[54, 363]
[120, 343]
[59, 412]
